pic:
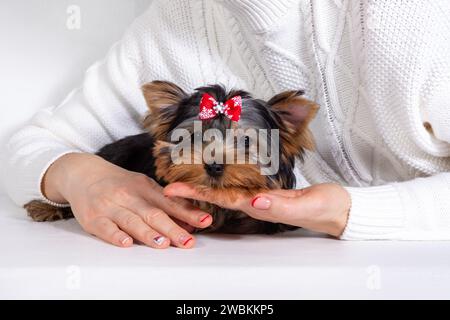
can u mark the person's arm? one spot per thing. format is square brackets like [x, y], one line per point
[404, 78]
[418, 209]
[322, 208]
[415, 210]
[408, 93]
[58, 145]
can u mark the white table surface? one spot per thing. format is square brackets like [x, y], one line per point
[58, 260]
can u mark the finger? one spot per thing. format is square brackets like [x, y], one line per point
[139, 230]
[274, 208]
[108, 231]
[161, 222]
[185, 211]
[180, 209]
[184, 225]
[187, 191]
[183, 190]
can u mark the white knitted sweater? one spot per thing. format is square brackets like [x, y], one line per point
[379, 70]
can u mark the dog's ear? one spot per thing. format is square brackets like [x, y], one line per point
[162, 94]
[296, 113]
[162, 99]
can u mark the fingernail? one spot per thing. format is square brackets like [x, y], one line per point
[125, 241]
[261, 203]
[159, 240]
[184, 240]
[204, 218]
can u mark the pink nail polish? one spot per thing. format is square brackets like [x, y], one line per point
[125, 241]
[261, 203]
[254, 200]
[184, 240]
[204, 218]
[187, 241]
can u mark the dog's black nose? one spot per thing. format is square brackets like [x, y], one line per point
[214, 170]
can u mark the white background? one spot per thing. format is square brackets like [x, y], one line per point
[41, 60]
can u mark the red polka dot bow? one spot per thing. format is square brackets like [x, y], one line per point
[210, 108]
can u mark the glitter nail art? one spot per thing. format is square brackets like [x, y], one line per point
[159, 240]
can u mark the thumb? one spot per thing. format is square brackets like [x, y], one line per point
[273, 207]
[264, 201]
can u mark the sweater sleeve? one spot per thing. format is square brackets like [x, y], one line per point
[418, 209]
[408, 72]
[108, 106]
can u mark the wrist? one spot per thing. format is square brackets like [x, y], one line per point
[51, 181]
[335, 225]
[340, 218]
[336, 204]
[64, 174]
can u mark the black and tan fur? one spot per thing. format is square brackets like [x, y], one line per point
[171, 108]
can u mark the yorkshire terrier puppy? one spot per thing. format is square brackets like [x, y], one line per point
[180, 127]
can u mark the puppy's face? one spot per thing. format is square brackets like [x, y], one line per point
[256, 152]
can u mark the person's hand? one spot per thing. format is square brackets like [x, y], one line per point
[118, 206]
[321, 208]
